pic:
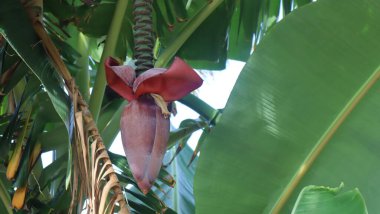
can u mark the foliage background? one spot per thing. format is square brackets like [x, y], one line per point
[303, 111]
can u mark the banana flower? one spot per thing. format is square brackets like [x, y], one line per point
[144, 123]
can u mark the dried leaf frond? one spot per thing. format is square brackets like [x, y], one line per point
[93, 179]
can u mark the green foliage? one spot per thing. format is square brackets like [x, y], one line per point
[21, 36]
[289, 123]
[326, 200]
[135, 198]
[302, 112]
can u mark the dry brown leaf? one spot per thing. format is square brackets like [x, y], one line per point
[96, 186]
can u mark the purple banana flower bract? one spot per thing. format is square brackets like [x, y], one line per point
[144, 122]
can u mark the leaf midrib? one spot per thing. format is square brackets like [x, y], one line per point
[324, 140]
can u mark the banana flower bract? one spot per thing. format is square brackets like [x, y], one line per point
[144, 123]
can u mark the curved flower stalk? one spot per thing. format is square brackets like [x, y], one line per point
[145, 120]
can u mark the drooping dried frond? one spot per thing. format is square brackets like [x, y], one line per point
[101, 185]
[93, 179]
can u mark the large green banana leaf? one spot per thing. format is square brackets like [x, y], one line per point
[305, 110]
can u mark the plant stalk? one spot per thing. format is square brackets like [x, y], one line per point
[201, 107]
[143, 35]
[97, 95]
[83, 76]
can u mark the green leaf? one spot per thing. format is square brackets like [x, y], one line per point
[121, 162]
[287, 6]
[304, 111]
[201, 107]
[140, 207]
[268, 16]
[301, 3]
[163, 15]
[151, 201]
[81, 61]
[27, 90]
[180, 136]
[243, 27]
[52, 173]
[95, 21]
[5, 200]
[109, 120]
[326, 200]
[24, 168]
[19, 33]
[185, 130]
[20, 72]
[61, 9]
[207, 46]
[200, 143]
[3, 46]
[185, 180]
[200, 11]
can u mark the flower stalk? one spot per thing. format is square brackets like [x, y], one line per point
[143, 35]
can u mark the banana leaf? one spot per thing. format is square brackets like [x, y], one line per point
[304, 111]
[327, 200]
